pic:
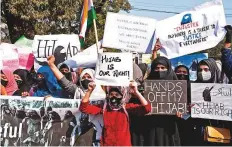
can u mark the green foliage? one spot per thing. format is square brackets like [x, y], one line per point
[42, 17]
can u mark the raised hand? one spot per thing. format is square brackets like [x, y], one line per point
[51, 60]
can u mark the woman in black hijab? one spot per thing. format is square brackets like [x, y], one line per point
[162, 129]
[185, 126]
[23, 79]
[161, 69]
[208, 72]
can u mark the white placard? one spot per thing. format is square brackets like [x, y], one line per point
[87, 58]
[61, 46]
[192, 31]
[211, 101]
[128, 32]
[114, 69]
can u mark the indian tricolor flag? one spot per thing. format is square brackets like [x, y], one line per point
[87, 16]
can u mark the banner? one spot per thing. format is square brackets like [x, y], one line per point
[211, 101]
[87, 58]
[33, 121]
[190, 61]
[114, 69]
[16, 57]
[128, 32]
[166, 97]
[192, 31]
[61, 46]
[9, 56]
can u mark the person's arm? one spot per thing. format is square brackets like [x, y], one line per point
[85, 107]
[64, 83]
[211, 88]
[156, 48]
[138, 109]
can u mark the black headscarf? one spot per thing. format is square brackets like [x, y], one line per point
[188, 77]
[26, 78]
[188, 82]
[213, 68]
[165, 62]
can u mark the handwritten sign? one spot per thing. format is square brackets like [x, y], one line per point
[166, 97]
[192, 31]
[211, 101]
[128, 32]
[61, 46]
[114, 69]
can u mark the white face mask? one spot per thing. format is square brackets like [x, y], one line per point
[204, 76]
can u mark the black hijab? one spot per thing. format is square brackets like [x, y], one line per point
[188, 77]
[165, 62]
[213, 68]
[26, 78]
[188, 82]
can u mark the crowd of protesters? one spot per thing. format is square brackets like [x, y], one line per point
[125, 122]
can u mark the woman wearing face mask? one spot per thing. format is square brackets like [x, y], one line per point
[115, 112]
[47, 84]
[8, 81]
[162, 129]
[185, 126]
[23, 80]
[65, 70]
[207, 72]
[85, 78]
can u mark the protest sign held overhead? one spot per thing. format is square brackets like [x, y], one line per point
[166, 97]
[61, 46]
[211, 101]
[128, 32]
[192, 31]
[114, 69]
[86, 58]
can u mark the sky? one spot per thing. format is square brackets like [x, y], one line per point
[171, 6]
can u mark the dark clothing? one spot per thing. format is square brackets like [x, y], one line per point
[162, 130]
[164, 61]
[227, 63]
[26, 80]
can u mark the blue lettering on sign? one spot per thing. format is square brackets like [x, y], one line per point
[187, 18]
[192, 36]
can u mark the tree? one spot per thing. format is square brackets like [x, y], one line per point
[42, 17]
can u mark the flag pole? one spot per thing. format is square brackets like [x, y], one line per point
[96, 35]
